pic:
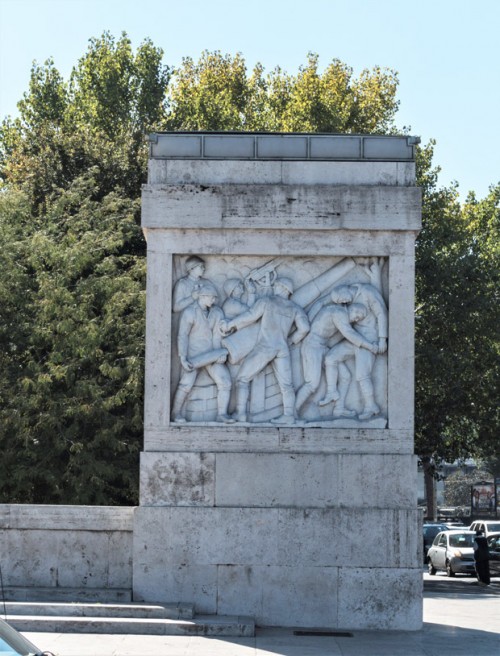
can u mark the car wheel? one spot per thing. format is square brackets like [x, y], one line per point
[449, 571]
[431, 568]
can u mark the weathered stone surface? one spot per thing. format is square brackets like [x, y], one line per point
[66, 546]
[266, 439]
[185, 479]
[277, 207]
[382, 599]
[80, 518]
[273, 536]
[210, 552]
[281, 596]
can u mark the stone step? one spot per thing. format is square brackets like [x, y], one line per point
[206, 625]
[172, 611]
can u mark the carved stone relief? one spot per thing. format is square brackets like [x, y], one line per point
[288, 340]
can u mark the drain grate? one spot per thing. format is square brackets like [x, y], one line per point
[312, 632]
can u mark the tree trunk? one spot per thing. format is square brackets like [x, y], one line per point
[430, 488]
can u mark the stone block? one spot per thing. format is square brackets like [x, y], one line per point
[180, 582]
[377, 480]
[381, 599]
[184, 479]
[280, 596]
[276, 480]
[208, 536]
[364, 537]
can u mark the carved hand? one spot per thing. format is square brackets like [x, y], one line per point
[186, 364]
[382, 345]
[224, 327]
[250, 286]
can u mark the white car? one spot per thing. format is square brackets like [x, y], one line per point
[452, 552]
[486, 526]
[13, 643]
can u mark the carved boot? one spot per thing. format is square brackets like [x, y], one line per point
[179, 400]
[288, 416]
[332, 393]
[339, 409]
[222, 404]
[370, 409]
[242, 394]
[302, 395]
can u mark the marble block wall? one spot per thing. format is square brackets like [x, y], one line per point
[299, 513]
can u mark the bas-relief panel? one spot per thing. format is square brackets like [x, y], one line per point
[294, 341]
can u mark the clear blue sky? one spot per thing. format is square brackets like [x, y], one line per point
[447, 54]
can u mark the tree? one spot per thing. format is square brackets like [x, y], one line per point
[457, 486]
[73, 277]
[457, 338]
[217, 94]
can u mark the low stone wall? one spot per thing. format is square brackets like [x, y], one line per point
[66, 547]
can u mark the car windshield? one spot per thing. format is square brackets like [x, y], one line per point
[7, 650]
[493, 527]
[431, 531]
[461, 540]
[13, 643]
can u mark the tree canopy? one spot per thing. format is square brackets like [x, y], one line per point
[73, 263]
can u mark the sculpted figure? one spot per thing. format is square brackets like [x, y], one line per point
[199, 346]
[373, 328]
[332, 321]
[184, 287]
[277, 314]
[235, 292]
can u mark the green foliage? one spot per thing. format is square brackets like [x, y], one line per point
[71, 418]
[73, 277]
[457, 319]
[216, 94]
[457, 486]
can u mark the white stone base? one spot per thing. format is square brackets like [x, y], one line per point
[283, 566]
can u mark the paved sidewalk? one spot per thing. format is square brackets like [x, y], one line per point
[460, 619]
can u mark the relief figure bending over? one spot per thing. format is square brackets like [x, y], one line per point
[333, 321]
[373, 328]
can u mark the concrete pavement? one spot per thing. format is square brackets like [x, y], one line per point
[460, 619]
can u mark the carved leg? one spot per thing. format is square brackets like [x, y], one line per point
[302, 395]
[371, 409]
[185, 386]
[242, 394]
[179, 400]
[283, 370]
[332, 374]
[339, 409]
[222, 404]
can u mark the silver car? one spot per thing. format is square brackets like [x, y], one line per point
[453, 552]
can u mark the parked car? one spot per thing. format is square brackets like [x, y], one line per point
[430, 530]
[494, 548]
[12, 643]
[486, 526]
[453, 552]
